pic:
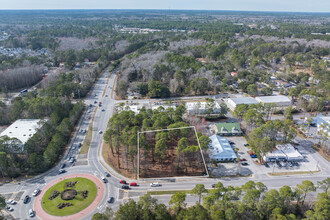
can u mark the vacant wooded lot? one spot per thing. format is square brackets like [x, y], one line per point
[173, 153]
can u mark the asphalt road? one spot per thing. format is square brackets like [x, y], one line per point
[102, 92]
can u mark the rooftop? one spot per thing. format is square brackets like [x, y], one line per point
[244, 100]
[273, 99]
[202, 105]
[22, 129]
[220, 148]
[229, 127]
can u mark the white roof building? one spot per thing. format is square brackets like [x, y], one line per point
[323, 123]
[278, 100]
[220, 149]
[232, 103]
[195, 108]
[22, 130]
[283, 152]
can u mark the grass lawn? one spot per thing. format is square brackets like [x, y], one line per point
[50, 206]
[291, 173]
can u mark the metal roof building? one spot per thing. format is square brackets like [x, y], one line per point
[233, 102]
[278, 100]
[220, 149]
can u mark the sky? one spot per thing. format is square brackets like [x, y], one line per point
[244, 5]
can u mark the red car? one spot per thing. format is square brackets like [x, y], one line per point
[133, 184]
[123, 182]
[243, 159]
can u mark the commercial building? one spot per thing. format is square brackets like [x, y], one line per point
[200, 108]
[278, 100]
[283, 153]
[220, 149]
[323, 123]
[227, 129]
[232, 103]
[22, 130]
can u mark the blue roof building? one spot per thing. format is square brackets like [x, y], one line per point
[220, 149]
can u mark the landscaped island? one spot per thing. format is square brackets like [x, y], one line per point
[69, 196]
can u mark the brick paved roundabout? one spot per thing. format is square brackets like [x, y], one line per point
[41, 214]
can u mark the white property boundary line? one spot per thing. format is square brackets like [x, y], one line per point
[168, 129]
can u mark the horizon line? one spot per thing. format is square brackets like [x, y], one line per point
[172, 9]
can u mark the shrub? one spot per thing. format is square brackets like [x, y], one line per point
[63, 205]
[53, 195]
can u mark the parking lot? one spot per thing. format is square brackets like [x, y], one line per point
[308, 164]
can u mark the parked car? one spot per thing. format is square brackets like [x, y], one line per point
[31, 213]
[100, 132]
[11, 201]
[123, 182]
[213, 185]
[61, 171]
[95, 102]
[245, 145]
[72, 160]
[104, 179]
[103, 110]
[154, 184]
[9, 208]
[111, 200]
[230, 142]
[107, 174]
[26, 199]
[133, 184]
[69, 158]
[36, 192]
[244, 164]
[266, 165]
[79, 145]
[89, 117]
[125, 187]
[63, 165]
[242, 159]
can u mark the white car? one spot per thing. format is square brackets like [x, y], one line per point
[36, 192]
[31, 213]
[154, 184]
[9, 208]
[11, 201]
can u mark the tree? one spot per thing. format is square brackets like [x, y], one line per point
[196, 212]
[160, 148]
[204, 141]
[240, 111]
[198, 191]
[2, 202]
[288, 113]
[302, 189]
[100, 216]
[128, 210]
[252, 90]
[142, 88]
[324, 185]
[182, 144]
[70, 59]
[178, 201]
[267, 91]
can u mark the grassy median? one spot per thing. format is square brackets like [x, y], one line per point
[78, 203]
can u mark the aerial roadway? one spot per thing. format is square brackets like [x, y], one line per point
[94, 164]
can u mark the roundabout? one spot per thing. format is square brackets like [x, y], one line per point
[69, 197]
